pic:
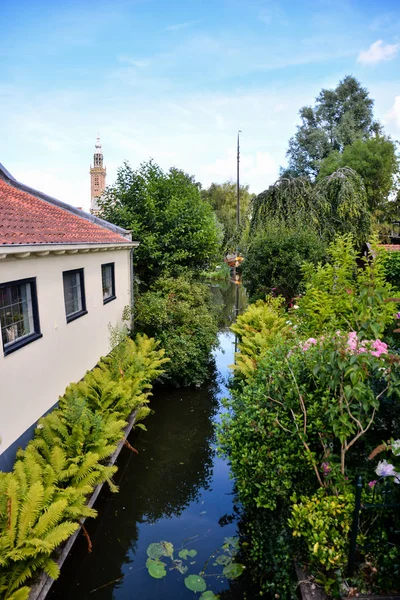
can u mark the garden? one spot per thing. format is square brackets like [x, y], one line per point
[314, 413]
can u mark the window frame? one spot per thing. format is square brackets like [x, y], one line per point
[36, 334]
[113, 295]
[83, 311]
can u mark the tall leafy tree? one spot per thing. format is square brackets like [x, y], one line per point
[177, 230]
[376, 161]
[338, 118]
[223, 197]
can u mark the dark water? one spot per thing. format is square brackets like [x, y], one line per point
[176, 489]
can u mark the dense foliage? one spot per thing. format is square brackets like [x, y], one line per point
[375, 160]
[340, 295]
[223, 199]
[44, 498]
[391, 263]
[305, 414]
[177, 312]
[177, 230]
[275, 256]
[339, 118]
[334, 205]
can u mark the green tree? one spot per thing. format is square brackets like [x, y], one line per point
[334, 204]
[223, 197]
[176, 229]
[178, 313]
[338, 118]
[275, 257]
[375, 160]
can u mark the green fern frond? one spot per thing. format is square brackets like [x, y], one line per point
[21, 594]
[49, 519]
[60, 533]
[32, 505]
[51, 568]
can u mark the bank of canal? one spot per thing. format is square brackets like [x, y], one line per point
[175, 489]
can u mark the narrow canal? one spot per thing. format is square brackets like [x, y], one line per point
[176, 489]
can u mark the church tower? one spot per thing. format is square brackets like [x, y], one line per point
[97, 178]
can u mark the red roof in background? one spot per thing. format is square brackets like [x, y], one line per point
[26, 219]
[390, 247]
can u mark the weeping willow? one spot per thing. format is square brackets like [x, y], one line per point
[335, 204]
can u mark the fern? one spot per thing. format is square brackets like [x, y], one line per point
[43, 500]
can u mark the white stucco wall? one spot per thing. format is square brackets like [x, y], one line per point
[34, 376]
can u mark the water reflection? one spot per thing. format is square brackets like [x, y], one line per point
[175, 488]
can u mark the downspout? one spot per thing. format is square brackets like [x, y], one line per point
[132, 277]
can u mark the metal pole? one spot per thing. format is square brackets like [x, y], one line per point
[237, 185]
[354, 528]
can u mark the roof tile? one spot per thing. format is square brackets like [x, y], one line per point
[26, 219]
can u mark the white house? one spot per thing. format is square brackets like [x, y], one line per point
[64, 276]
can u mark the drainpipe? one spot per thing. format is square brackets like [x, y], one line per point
[132, 277]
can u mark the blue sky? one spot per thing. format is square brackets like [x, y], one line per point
[175, 80]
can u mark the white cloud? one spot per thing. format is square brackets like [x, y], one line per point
[393, 117]
[377, 52]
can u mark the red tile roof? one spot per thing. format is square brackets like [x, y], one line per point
[390, 247]
[26, 219]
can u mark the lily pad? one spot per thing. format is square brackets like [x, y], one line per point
[208, 595]
[185, 553]
[155, 550]
[233, 570]
[223, 559]
[158, 549]
[168, 548]
[195, 583]
[156, 568]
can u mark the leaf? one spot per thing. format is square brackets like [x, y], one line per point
[168, 549]
[141, 426]
[223, 559]
[156, 568]
[233, 570]
[195, 583]
[155, 550]
[183, 553]
[192, 553]
[208, 595]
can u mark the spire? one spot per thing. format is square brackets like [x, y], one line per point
[98, 153]
[98, 149]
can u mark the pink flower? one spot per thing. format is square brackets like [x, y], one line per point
[397, 315]
[349, 291]
[308, 343]
[372, 483]
[326, 468]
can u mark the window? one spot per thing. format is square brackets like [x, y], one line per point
[108, 281]
[19, 315]
[74, 294]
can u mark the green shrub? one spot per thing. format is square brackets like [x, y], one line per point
[391, 263]
[177, 313]
[324, 522]
[259, 328]
[344, 295]
[275, 256]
